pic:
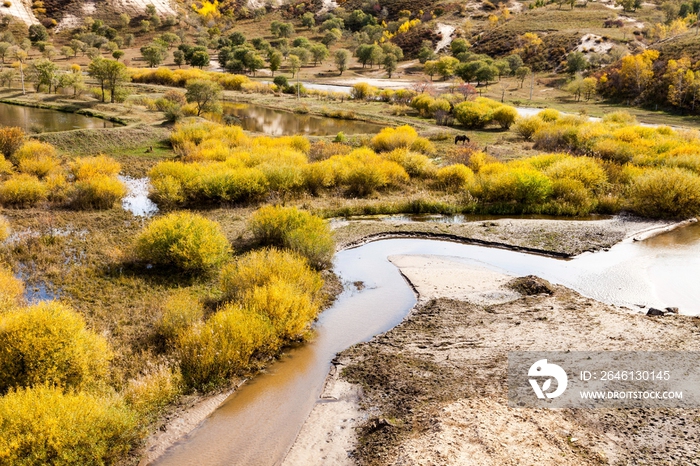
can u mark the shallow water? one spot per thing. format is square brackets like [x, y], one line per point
[45, 120]
[136, 200]
[258, 423]
[281, 123]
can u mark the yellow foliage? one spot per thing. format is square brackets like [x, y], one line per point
[11, 290]
[23, 190]
[181, 311]
[98, 192]
[43, 425]
[150, 393]
[87, 167]
[454, 177]
[48, 343]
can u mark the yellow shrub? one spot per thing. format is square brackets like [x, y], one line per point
[619, 117]
[43, 425]
[210, 354]
[4, 228]
[38, 166]
[150, 393]
[185, 240]
[616, 151]
[570, 197]
[221, 183]
[473, 114]
[48, 343]
[87, 167]
[34, 150]
[665, 193]
[265, 266]
[22, 191]
[394, 138]
[98, 192]
[11, 138]
[549, 114]
[294, 229]
[181, 311]
[322, 150]
[423, 145]
[454, 177]
[11, 290]
[416, 165]
[505, 116]
[519, 185]
[528, 126]
[583, 169]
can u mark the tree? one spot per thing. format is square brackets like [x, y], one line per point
[179, 58]
[237, 38]
[319, 52]
[254, 62]
[446, 66]
[390, 64]
[522, 73]
[576, 62]
[204, 94]
[485, 74]
[458, 46]
[4, 50]
[308, 20]
[342, 57]
[376, 55]
[44, 72]
[124, 20]
[363, 53]
[67, 52]
[514, 62]
[294, 64]
[169, 39]
[153, 54]
[275, 59]
[117, 54]
[37, 33]
[78, 46]
[331, 37]
[110, 74]
[430, 68]
[200, 59]
[636, 71]
[20, 55]
[285, 30]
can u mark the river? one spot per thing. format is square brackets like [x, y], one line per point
[45, 120]
[258, 423]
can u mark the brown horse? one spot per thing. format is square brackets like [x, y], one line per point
[463, 138]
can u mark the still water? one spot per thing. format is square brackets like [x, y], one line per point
[257, 424]
[44, 120]
[281, 123]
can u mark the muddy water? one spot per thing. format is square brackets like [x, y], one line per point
[281, 123]
[258, 424]
[44, 120]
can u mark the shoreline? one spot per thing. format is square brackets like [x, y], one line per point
[315, 430]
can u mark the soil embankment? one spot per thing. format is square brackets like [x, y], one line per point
[433, 389]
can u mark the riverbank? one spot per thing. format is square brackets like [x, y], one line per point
[433, 389]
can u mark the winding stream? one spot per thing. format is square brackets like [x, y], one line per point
[259, 422]
[45, 120]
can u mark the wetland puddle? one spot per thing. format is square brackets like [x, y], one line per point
[258, 423]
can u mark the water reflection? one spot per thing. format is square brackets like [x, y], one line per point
[44, 120]
[280, 123]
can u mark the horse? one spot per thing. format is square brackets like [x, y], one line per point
[463, 138]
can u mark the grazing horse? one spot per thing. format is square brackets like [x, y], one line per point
[461, 138]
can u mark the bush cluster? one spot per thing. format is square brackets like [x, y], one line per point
[483, 112]
[275, 297]
[179, 78]
[185, 240]
[291, 228]
[403, 137]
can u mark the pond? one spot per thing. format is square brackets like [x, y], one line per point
[259, 422]
[45, 120]
[280, 123]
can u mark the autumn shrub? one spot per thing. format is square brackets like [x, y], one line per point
[300, 231]
[5, 228]
[454, 177]
[322, 150]
[184, 240]
[402, 137]
[217, 183]
[11, 290]
[570, 197]
[527, 126]
[84, 168]
[43, 425]
[520, 186]
[665, 193]
[49, 343]
[363, 91]
[181, 310]
[11, 139]
[22, 190]
[416, 165]
[211, 353]
[619, 117]
[269, 265]
[549, 115]
[423, 103]
[151, 392]
[586, 170]
[39, 166]
[423, 145]
[616, 151]
[473, 114]
[505, 116]
[98, 192]
[175, 97]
